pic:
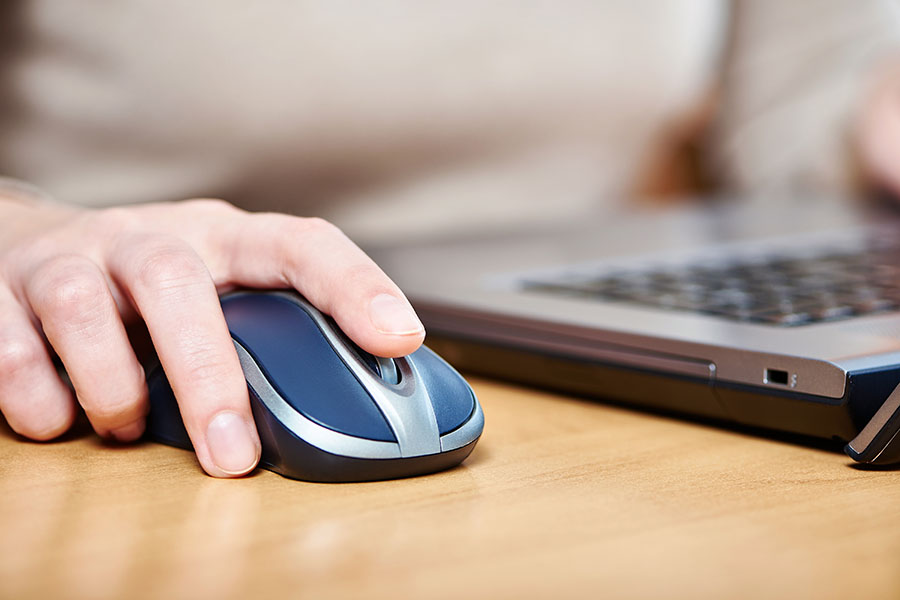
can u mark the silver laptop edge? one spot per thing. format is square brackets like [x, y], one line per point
[468, 289]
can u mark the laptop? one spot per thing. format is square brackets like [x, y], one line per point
[782, 315]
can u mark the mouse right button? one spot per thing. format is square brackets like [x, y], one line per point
[451, 396]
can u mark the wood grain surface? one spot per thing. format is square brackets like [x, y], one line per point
[562, 498]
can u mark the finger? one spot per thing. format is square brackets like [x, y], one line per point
[174, 294]
[71, 298]
[319, 261]
[36, 402]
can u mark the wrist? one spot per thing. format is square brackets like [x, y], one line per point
[23, 206]
[22, 192]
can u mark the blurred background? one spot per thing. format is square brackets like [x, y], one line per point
[403, 119]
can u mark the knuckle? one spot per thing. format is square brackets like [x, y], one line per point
[74, 293]
[319, 226]
[17, 356]
[70, 288]
[168, 264]
[211, 205]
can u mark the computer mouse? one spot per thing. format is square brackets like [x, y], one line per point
[328, 411]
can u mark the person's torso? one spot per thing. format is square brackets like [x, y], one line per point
[294, 105]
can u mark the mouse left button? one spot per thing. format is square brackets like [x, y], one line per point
[164, 422]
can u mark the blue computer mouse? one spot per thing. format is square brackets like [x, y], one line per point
[325, 409]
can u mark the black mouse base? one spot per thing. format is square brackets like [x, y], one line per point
[292, 457]
[332, 468]
[287, 454]
[342, 469]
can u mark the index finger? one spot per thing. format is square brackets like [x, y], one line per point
[319, 261]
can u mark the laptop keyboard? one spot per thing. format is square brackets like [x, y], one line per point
[779, 290]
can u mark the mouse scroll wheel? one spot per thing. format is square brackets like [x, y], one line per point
[387, 369]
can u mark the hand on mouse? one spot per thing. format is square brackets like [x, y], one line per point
[72, 279]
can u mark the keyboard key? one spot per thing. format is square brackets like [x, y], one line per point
[778, 290]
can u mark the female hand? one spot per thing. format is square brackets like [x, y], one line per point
[72, 279]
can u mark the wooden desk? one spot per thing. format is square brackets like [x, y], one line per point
[562, 498]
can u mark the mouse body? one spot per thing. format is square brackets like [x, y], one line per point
[326, 410]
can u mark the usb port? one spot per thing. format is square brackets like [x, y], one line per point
[776, 376]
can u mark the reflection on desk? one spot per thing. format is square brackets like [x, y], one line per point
[562, 498]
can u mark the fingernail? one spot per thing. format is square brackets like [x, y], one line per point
[129, 433]
[392, 316]
[233, 447]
